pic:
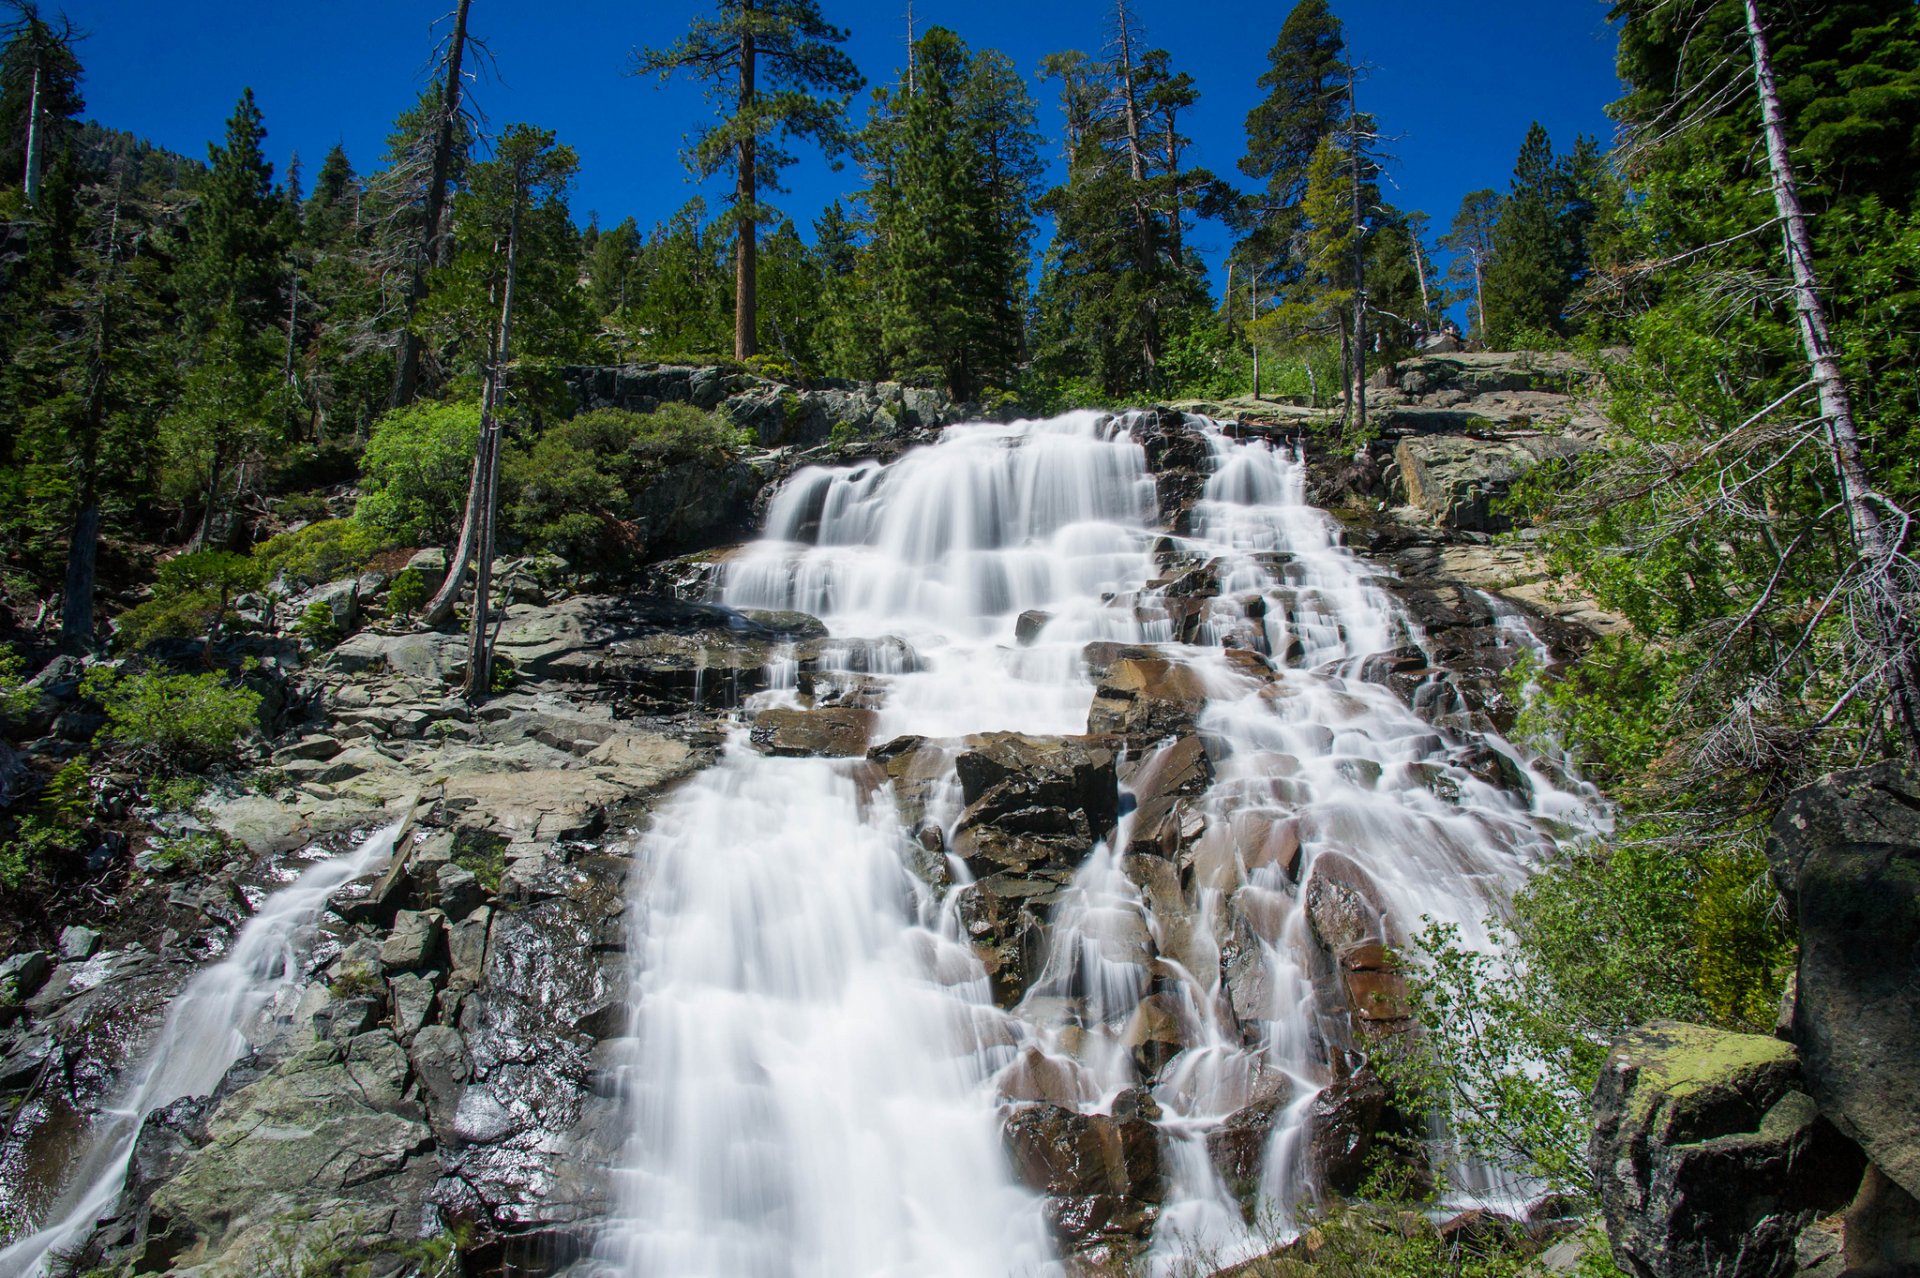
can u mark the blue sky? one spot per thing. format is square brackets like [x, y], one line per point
[1455, 83]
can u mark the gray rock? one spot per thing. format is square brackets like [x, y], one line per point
[412, 998]
[467, 944]
[26, 973]
[1845, 853]
[1707, 1158]
[414, 942]
[79, 943]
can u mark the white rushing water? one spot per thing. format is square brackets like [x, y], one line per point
[815, 1062]
[209, 1026]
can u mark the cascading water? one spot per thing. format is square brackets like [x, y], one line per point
[223, 1011]
[816, 1064]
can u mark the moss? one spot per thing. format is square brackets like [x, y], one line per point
[1678, 1062]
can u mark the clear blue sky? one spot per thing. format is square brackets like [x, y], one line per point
[1455, 83]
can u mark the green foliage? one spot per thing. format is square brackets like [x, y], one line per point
[175, 721]
[191, 853]
[408, 592]
[176, 793]
[17, 700]
[482, 855]
[358, 980]
[51, 829]
[573, 491]
[192, 598]
[318, 625]
[320, 552]
[416, 472]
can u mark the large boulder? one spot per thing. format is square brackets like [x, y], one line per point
[1845, 854]
[1102, 1174]
[1708, 1157]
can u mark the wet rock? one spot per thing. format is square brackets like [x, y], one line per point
[1102, 1174]
[1238, 1147]
[1707, 1157]
[1029, 625]
[467, 944]
[834, 733]
[1376, 988]
[1157, 1032]
[1005, 918]
[1342, 1122]
[412, 997]
[1343, 904]
[1146, 698]
[1056, 1080]
[1163, 784]
[441, 1063]
[1033, 800]
[1845, 853]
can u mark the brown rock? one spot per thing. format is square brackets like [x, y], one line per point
[836, 732]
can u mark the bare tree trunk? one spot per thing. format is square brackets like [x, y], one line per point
[1174, 217]
[1875, 545]
[1420, 273]
[1359, 397]
[1479, 296]
[406, 380]
[216, 472]
[746, 260]
[1253, 328]
[32, 178]
[479, 638]
[1143, 226]
[913, 77]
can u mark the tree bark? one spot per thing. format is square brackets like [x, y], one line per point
[1892, 635]
[1359, 397]
[746, 195]
[406, 379]
[487, 481]
[31, 180]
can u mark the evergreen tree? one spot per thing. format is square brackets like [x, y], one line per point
[229, 279]
[39, 94]
[612, 263]
[775, 65]
[1307, 84]
[1531, 278]
[1470, 240]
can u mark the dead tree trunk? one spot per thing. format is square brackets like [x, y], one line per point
[1877, 548]
[746, 196]
[487, 481]
[1359, 396]
[31, 181]
[406, 379]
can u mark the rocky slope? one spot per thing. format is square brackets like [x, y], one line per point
[441, 1076]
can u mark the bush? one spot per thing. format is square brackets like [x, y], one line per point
[175, 721]
[16, 699]
[191, 598]
[55, 827]
[319, 553]
[416, 471]
[318, 626]
[407, 594]
[572, 491]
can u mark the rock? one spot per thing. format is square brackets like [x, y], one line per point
[459, 891]
[26, 973]
[1845, 853]
[315, 748]
[1098, 1171]
[1343, 905]
[1147, 698]
[430, 563]
[78, 944]
[834, 733]
[414, 942]
[1161, 783]
[1341, 1124]
[1033, 802]
[1707, 1158]
[412, 998]
[1457, 479]
[1238, 1146]
[1027, 628]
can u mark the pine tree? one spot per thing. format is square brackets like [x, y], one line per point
[1470, 240]
[39, 94]
[612, 262]
[230, 279]
[775, 64]
[1530, 281]
[1307, 84]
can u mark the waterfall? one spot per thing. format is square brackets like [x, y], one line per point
[209, 1025]
[815, 1066]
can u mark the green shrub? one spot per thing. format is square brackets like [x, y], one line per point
[175, 721]
[34, 845]
[189, 853]
[482, 855]
[416, 471]
[571, 491]
[322, 552]
[408, 594]
[192, 597]
[318, 625]
[16, 699]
